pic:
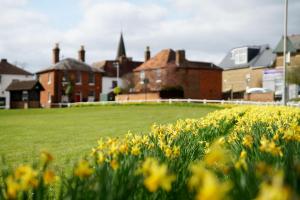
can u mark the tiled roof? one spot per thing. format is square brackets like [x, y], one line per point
[293, 44]
[7, 68]
[71, 64]
[264, 58]
[24, 85]
[125, 67]
[167, 58]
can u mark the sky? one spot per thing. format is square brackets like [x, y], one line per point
[206, 29]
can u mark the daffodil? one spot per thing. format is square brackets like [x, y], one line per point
[46, 157]
[83, 169]
[156, 175]
[276, 190]
[248, 141]
[12, 188]
[206, 184]
[27, 177]
[49, 177]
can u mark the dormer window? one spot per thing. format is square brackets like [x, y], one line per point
[240, 55]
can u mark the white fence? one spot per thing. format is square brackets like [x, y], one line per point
[170, 101]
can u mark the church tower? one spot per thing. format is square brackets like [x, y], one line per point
[121, 48]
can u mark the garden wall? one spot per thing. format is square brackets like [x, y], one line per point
[138, 96]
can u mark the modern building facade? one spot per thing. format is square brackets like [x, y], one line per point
[69, 80]
[170, 70]
[8, 74]
[244, 69]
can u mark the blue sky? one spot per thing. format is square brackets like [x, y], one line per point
[206, 29]
[62, 14]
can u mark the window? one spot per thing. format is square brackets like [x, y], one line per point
[142, 76]
[78, 77]
[25, 95]
[0, 79]
[2, 101]
[299, 90]
[65, 77]
[91, 93]
[240, 55]
[91, 78]
[278, 86]
[158, 75]
[49, 78]
[49, 97]
[91, 96]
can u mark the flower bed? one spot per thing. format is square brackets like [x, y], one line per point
[243, 152]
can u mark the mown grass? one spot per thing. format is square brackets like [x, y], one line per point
[71, 132]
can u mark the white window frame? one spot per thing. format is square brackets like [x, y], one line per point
[240, 55]
[49, 97]
[78, 74]
[91, 98]
[94, 78]
[49, 79]
[142, 76]
[25, 95]
[158, 75]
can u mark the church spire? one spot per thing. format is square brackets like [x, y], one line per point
[121, 48]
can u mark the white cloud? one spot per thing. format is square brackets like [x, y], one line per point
[207, 29]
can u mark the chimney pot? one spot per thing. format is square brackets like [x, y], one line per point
[81, 54]
[4, 60]
[180, 57]
[56, 53]
[147, 53]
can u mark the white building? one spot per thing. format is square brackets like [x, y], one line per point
[9, 73]
[273, 80]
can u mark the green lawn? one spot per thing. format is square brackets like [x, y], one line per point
[71, 132]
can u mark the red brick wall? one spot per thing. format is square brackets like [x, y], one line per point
[55, 88]
[264, 97]
[49, 88]
[197, 83]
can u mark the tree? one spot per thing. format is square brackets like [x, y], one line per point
[293, 75]
[117, 90]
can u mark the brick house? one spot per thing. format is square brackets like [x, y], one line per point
[170, 69]
[117, 72]
[69, 80]
[244, 68]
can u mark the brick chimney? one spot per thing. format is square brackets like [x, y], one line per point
[4, 60]
[81, 54]
[180, 57]
[56, 54]
[147, 54]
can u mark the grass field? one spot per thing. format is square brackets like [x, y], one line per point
[71, 132]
